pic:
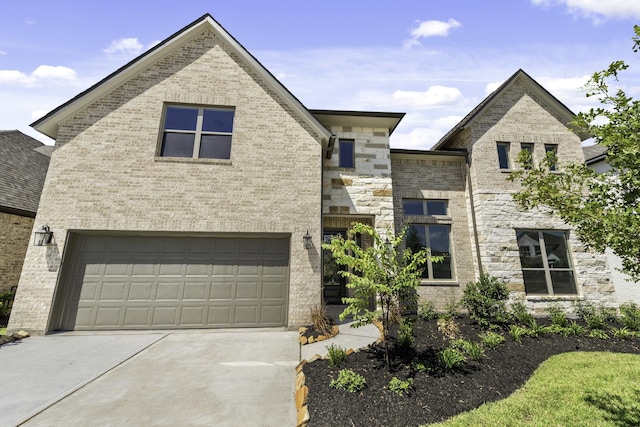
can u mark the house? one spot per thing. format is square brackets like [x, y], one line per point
[24, 168]
[191, 189]
[626, 289]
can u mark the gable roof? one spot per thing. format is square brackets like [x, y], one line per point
[359, 118]
[527, 81]
[23, 171]
[48, 124]
[594, 153]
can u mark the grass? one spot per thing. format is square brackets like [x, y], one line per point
[571, 389]
[3, 331]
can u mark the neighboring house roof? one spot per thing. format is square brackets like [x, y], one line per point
[48, 124]
[594, 153]
[531, 84]
[24, 168]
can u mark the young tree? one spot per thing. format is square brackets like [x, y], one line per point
[378, 275]
[604, 208]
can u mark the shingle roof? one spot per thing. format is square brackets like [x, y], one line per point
[593, 153]
[23, 168]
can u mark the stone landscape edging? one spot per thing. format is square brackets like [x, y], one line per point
[16, 336]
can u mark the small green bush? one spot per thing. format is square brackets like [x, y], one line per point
[630, 316]
[485, 300]
[426, 310]
[349, 381]
[451, 357]
[623, 333]
[337, 355]
[557, 315]
[420, 367]
[491, 339]
[405, 333]
[6, 299]
[400, 387]
[575, 329]
[591, 315]
[517, 332]
[452, 310]
[598, 333]
[474, 350]
[519, 314]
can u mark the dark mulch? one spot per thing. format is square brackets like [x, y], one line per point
[436, 395]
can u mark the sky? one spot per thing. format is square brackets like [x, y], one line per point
[434, 60]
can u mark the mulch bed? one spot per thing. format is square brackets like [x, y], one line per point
[436, 395]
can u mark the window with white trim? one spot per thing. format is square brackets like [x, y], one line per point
[545, 261]
[197, 132]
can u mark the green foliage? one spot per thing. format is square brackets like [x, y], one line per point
[604, 207]
[381, 273]
[536, 329]
[630, 316]
[592, 316]
[337, 355]
[491, 340]
[575, 329]
[623, 333]
[598, 333]
[400, 387]
[473, 350]
[519, 314]
[517, 332]
[452, 309]
[557, 315]
[6, 299]
[405, 333]
[420, 367]
[349, 381]
[451, 357]
[426, 310]
[485, 300]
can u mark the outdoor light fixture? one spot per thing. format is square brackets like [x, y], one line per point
[307, 240]
[43, 236]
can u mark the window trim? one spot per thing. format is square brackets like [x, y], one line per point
[507, 146]
[545, 262]
[352, 142]
[198, 132]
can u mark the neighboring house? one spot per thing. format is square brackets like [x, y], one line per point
[626, 289]
[22, 173]
[186, 185]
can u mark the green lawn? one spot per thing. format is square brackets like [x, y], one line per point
[3, 331]
[571, 389]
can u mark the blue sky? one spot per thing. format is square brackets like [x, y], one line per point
[432, 59]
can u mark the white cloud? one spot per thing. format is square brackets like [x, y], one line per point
[129, 46]
[420, 138]
[435, 96]
[14, 77]
[2, 52]
[597, 10]
[44, 73]
[54, 72]
[430, 28]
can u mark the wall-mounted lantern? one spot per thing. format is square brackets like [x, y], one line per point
[307, 240]
[43, 236]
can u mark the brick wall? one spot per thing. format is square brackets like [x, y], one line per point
[14, 239]
[105, 175]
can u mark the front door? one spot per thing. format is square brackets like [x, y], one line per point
[334, 285]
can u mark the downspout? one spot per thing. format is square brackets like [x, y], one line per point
[473, 211]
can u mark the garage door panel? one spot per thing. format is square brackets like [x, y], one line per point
[163, 282]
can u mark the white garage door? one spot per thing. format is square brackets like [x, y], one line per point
[165, 282]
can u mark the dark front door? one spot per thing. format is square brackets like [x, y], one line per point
[334, 285]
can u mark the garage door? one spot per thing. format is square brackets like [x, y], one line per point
[164, 282]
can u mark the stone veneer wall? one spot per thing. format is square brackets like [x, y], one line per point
[365, 190]
[105, 174]
[14, 240]
[433, 176]
[519, 116]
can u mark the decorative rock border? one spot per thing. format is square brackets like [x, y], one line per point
[16, 336]
[335, 330]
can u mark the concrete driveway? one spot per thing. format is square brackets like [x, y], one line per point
[190, 378]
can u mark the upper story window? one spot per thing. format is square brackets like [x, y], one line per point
[545, 261]
[552, 148]
[529, 161]
[196, 132]
[424, 207]
[503, 155]
[347, 153]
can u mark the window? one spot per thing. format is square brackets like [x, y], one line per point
[528, 162]
[437, 239]
[546, 266]
[347, 156]
[503, 155]
[551, 148]
[424, 207]
[194, 132]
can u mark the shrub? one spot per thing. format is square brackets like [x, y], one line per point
[452, 309]
[405, 333]
[630, 316]
[598, 333]
[420, 367]
[623, 333]
[485, 300]
[451, 357]
[349, 381]
[426, 310]
[536, 329]
[337, 355]
[519, 314]
[474, 350]
[491, 339]
[448, 328]
[575, 329]
[557, 315]
[6, 300]
[400, 387]
[590, 314]
[320, 319]
[517, 332]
